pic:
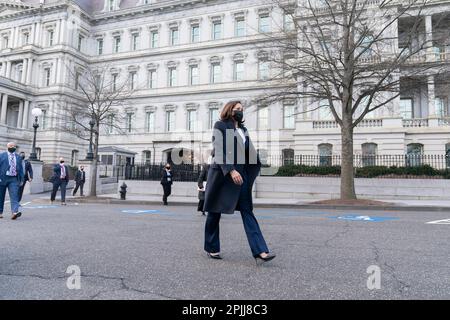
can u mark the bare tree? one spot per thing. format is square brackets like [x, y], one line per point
[100, 103]
[347, 56]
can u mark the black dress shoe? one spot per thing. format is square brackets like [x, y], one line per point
[269, 257]
[16, 215]
[214, 256]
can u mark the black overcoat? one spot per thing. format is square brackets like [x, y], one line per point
[222, 194]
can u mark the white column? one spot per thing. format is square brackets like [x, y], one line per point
[20, 117]
[57, 32]
[55, 70]
[4, 108]
[62, 32]
[24, 70]
[431, 98]
[26, 111]
[38, 37]
[33, 30]
[8, 69]
[429, 37]
[58, 71]
[29, 72]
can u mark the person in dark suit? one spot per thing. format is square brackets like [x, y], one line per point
[201, 187]
[60, 179]
[28, 174]
[80, 179]
[11, 178]
[234, 168]
[166, 181]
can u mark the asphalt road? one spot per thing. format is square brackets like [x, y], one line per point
[159, 255]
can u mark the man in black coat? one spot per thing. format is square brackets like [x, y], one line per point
[28, 174]
[166, 181]
[60, 179]
[80, 179]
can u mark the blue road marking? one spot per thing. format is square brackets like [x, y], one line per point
[40, 207]
[144, 211]
[364, 218]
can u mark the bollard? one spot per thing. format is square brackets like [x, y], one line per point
[123, 191]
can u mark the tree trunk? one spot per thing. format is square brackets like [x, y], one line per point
[94, 167]
[347, 170]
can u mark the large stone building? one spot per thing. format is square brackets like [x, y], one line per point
[185, 59]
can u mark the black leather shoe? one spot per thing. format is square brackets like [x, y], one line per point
[214, 256]
[16, 215]
[269, 257]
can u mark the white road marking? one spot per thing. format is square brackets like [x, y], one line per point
[445, 221]
[25, 204]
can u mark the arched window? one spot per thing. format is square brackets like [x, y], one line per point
[369, 153]
[414, 153]
[288, 156]
[325, 153]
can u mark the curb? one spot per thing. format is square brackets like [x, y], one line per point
[270, 205]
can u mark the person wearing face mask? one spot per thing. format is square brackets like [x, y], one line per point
[60, 179]
[234, 168]
[28, 174]
[11, 178]
[166, 181]
[80, 179]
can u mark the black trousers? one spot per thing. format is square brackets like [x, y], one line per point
[56, 185]
[21, 190]
[79, 184]
[167, 191]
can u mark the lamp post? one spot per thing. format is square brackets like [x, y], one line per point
[90, 154]
[36, 112]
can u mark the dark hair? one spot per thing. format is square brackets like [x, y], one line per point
[227, 111]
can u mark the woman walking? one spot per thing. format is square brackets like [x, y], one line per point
[234, 168]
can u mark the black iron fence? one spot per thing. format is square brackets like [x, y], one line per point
[439, 161]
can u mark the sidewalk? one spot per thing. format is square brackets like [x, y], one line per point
[397, 205]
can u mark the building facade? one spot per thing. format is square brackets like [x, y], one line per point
[184, 59]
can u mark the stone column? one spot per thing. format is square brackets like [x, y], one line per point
[431, 98]
[429, 37]
[62, 31]
[20, 117]
[26, 111]
[37, 185]
[57, 32]
[8, 69]
[29, 72]
[24, 70]
[4, 108]
[38, 37]
[88, 169]
[33, 30]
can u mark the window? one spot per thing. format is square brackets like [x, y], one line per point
[147, 157]
[154, 39]
[133, 80]
[264, 23]
[99, 47]
[441, 107]
[80, 42]
[406, 108]
[129, 122]
[149, 121]
[152, 79]
[288, 156]
[289, 22]
[194, 75]
[414, 153]
[238, 71]
[116, 44]
[213, 117]
[47, 79]
[172, 77]
[174, 36]
[195, 33]
[216, 72]
[110, 125]
[26, 38]
[325, 154]
[50, 35]
[44, 119]
[447, 155]
[263, 118]
[263, 70]
[170, 121]
[5, 42]
[135, 41]
[289, 117]
[217, 30]
[111, 5]
[239, 27]
[114, 82]
[74, 159]
[191, 120]
[77, 80]
[325, 110]
[369, 153]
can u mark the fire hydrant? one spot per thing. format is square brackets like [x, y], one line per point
[123, 191]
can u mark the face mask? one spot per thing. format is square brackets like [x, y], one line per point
[61, 162]
[238, 116]
[12, 150]
[23, 157]
[168, 168]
